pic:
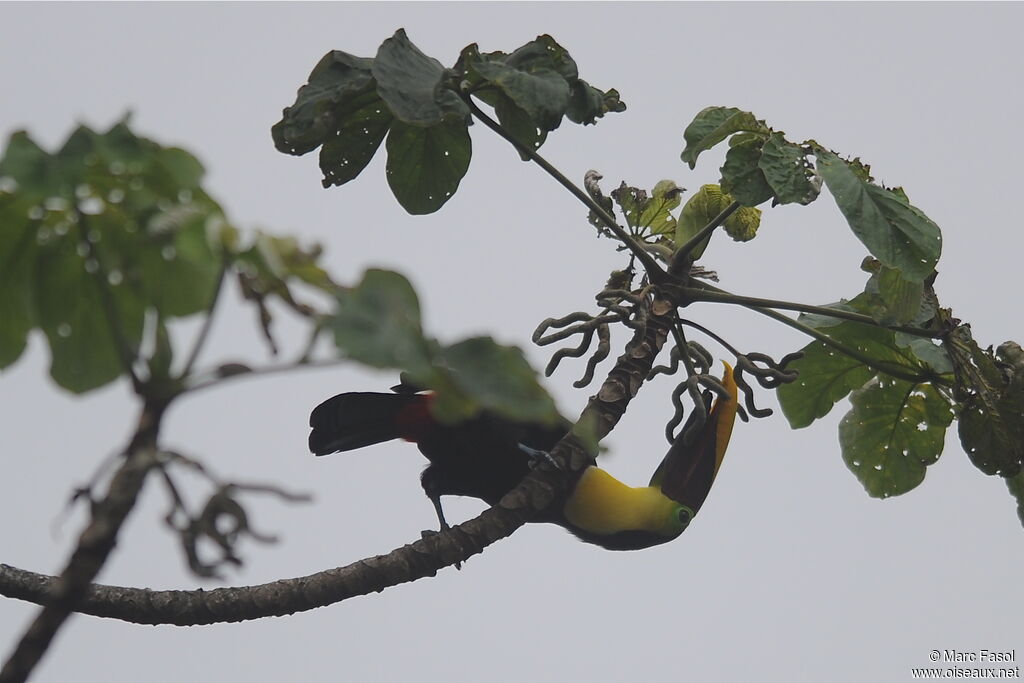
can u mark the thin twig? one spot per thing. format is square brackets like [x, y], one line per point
[204, 331]
[217, 376]
[125, 349]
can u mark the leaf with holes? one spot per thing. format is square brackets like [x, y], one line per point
[894, 231]
[741, 176]
[426, 165]
[827, 375]
[991, 419]
[894, 431]
[714, 124]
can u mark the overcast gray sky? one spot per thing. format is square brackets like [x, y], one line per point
[790, 573]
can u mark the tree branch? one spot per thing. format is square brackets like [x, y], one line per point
[425, 557]
[95, 544]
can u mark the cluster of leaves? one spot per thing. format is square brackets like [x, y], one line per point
[106, 240]
[94, 237]
[109, 238]
[649, 215]
[761, 165]
[897, 424]
[350, 103]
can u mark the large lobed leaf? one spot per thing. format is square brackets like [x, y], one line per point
[894, 430]
[894, 231]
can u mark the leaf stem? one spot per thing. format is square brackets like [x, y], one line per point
[654, 271]
[125, 349]
[701, 291]
[215, 376]
[885, 368]
[204, 331]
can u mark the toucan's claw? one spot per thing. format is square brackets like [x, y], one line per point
[537, 457]
[441, 520]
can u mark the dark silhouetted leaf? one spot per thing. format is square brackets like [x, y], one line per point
[991, 416]
[339, 84]
[356, 139]
[412, 85]
[425, 165]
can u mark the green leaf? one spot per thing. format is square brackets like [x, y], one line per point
[25, 167]
[827, 376]
[17, 265]
[518, 123]
[538, 90]
[1016, 486]
[413, 85]
[92, 236]
[895, 232]
[339, 84]
[787, 172]
[377, 323]
[77, 322]
[587, 103]
[657, 217]
[703, 207]
[925, 350]
[893, 432]
[900, 296]
[991, 409]
[714, 124]
[742, 177]
[355, 140]
[425, 165]
[488, 376]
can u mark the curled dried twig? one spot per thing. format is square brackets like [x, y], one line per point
[222, 520]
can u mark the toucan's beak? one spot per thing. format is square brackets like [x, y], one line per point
[688, 470]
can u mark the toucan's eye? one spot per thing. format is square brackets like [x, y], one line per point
[685, 515]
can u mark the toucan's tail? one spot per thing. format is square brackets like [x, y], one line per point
[357, 419]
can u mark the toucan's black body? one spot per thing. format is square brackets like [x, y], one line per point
[479, 457]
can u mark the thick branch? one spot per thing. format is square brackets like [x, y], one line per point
[95, 544]
[423, 558]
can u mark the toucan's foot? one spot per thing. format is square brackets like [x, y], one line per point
[537, 457]
[442, 521]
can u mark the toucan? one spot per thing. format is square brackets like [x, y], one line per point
[486, 456]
